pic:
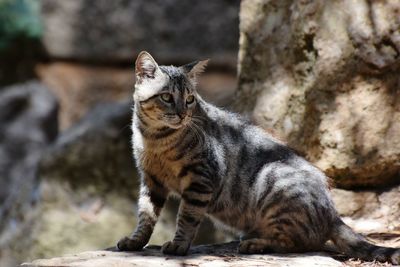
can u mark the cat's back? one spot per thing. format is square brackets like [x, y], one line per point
[234, 129]
[254, 158]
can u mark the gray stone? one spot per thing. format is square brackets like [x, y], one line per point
[86, 193]
[95, 152]
[172, 30]
[28, 122]
[88, 187]
[324, 76]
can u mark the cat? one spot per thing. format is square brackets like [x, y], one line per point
[224, 167]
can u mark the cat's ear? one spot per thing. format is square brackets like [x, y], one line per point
[194, 69]
[145, 66]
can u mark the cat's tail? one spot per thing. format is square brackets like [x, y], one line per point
[356, 246]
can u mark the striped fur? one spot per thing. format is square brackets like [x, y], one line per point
[226, 168]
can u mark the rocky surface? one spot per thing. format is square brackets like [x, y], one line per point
[210, 255]
[324, 76]
[28, 123]
[115, 31]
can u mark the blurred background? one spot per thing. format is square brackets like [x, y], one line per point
[321, 75]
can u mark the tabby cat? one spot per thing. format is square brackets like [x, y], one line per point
[226, 168]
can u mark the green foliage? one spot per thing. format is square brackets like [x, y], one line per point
[19, 19]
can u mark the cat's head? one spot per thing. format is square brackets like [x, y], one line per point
[166, 94]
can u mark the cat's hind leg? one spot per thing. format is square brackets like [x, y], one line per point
[283, 236]
[274, 242]
[254, 246]
[263, 245]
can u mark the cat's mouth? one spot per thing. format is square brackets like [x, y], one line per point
[177, 122]
[175, 125]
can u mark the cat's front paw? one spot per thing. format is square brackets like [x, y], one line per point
[176, 248]
[129, 244]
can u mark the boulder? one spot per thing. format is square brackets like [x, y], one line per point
[95, 152]
[28, 123]
[116, 31]
[324, 76]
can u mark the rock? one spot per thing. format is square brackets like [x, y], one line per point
[96, 152]
[369, 211]
[28, 122]
[324, 76]
[79, 88]
[209, 255]
[115, 31]
[88, 187]
[87, 191]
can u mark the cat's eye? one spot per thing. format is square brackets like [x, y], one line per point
[190, 99]
[166, 97]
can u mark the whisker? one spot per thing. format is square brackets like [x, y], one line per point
[198, 132]
[195, 134]
[194, 130]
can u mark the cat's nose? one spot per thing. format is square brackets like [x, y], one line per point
[177, 119]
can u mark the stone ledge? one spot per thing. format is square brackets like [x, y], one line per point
[205, 255]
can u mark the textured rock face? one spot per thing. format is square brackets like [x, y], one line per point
[28, 122]
[171, 30]
[223, 255]
[324, 76]
[369, 211]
